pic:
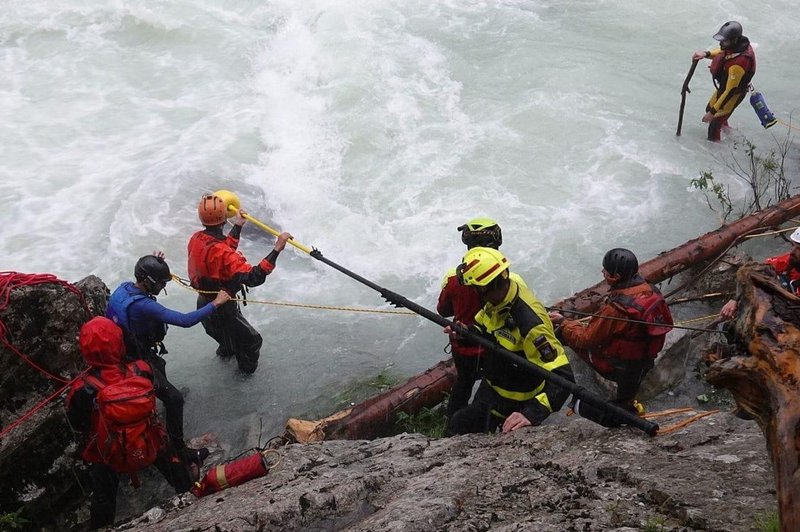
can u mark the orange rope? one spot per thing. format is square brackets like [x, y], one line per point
[681, 424]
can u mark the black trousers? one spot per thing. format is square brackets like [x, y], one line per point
[629, 376]
[469, 371]
[234, 334]
[487, 411]
[172, 399]
[105, 481]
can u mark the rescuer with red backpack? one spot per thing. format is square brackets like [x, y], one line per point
[623, 339]
[114, 407]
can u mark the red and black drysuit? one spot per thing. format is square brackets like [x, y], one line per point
[214, 264]
[107, 366]
[620, 351]
[463, 303]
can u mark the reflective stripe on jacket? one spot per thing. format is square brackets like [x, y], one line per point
[521, 325]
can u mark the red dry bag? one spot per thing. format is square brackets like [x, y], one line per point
[231, 474]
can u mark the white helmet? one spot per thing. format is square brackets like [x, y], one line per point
[796, 236]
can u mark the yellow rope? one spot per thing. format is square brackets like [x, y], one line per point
[188, 286]
[702, 318]
[790, 126]
[777, 232]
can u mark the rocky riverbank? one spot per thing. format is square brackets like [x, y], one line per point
[571, 476]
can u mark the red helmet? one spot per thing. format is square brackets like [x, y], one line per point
[101, 342]
[212, 210]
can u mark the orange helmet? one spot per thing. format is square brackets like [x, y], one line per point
[212, 210]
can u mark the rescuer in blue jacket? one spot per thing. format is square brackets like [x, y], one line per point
[143, 320]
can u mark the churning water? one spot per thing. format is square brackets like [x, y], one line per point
[370, 130]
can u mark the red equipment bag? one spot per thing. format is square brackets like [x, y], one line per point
[231, 474]
[128, 433]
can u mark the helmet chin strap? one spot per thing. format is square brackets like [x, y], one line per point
[153, 286]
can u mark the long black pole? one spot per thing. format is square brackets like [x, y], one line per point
[684, 90]
[581, 393]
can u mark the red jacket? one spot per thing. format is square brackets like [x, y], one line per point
[462, 302]
[215, 263]
[787, 274]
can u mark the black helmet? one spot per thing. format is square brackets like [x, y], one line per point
[622, 262]
[729, 32]
[481, 232]
[153, 272]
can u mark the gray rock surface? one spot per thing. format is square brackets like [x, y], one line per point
[576, 476]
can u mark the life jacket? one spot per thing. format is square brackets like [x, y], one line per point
[142, 337]
[201, 273]
[721, 63]
[640, 341]
[214, 261]
[126, 434]
[788, 276]
[464, 302]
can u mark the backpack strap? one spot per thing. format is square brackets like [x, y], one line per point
[96, 383]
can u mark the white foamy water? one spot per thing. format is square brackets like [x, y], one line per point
[369, 130]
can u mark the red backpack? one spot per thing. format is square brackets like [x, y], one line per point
[128, 435]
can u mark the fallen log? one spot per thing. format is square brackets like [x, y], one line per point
[765, 378]
[704, 248]
[377, 415]
[373, 418]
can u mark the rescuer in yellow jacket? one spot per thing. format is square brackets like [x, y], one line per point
[513, 318]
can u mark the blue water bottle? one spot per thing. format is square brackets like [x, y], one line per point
[760, 107]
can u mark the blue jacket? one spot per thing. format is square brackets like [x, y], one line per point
[144, 320]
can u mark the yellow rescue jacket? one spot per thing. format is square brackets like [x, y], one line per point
[521, 325]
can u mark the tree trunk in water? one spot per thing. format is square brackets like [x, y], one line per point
[374, 417]
[765, 379]
[704, 248]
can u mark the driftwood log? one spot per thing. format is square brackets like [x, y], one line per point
[694, 252]
[374, 417]
[764, 376]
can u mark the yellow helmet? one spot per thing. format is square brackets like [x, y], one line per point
[481, 232]
[481, 266]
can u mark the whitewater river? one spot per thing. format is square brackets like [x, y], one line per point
[370, 130]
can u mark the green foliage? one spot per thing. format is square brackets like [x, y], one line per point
[763, 173]
[384, 380]
[13, 521]
[360, 390]
[655, 524]
[716, 190]
[431, 422]
[768, 522]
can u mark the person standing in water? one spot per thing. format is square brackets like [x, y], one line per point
[733, 65]
[215, 263]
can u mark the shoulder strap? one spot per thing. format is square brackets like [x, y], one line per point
[95, 382]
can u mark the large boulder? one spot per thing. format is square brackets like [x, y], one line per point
[39, 324]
